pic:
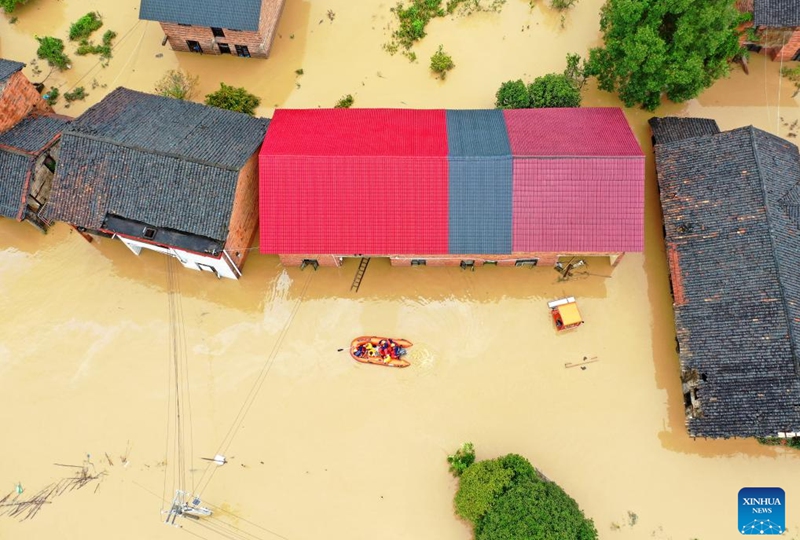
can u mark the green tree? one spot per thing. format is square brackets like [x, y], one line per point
[554, 90]
[535, 509]
[177, 84]
[512, 95]
[233, 99]
[480, 485]
[462, 459]
[52, 50]
[10, 5]
[657, 47]
[83, 27]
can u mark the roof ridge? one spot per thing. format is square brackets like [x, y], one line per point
[150, 151]
[773, 251]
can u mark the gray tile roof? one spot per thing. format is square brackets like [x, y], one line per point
[673, 128]
[734, 249]
[34, 133]
[479, 182]
[160, 161]
[14, 171]
[776, 13]
[232, 14]
[19, 148]
[8, 68]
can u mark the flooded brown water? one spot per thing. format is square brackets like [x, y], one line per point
[331, 448]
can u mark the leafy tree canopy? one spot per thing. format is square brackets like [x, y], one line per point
[554, 90]
[480, 485]
[10, 5]
[512, 95]
[535, 510]
[233, 99]
[656, 47]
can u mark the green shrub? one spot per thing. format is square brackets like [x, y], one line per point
[413, 19]
[177, 84]
[481, 484]
[52, 50]
[233, 99]
[576, 70]
[83, 27]
[561, 5]
[463, 458]
[441, 63]
[791, 442]
[104, 50]
[345, 102]
[51, 97]
[10, 5]
[535, 509]
[79, 94]
[512, 95]
[793, 74]
[520, 467]
[554, 90]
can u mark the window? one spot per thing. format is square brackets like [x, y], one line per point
[418, 262]
[241, 50]
[468, 264]
[526, 262]
[217, 32]
[183, 24]
[149, 233]
[224, 48]
[50, 163]
[194, 46]
[489, 263]
[309, 262]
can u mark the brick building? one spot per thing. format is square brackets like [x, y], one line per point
[243, 28]
[435, 187]
[777, 27]
[731, 204]
[29, 135]
[163, 174]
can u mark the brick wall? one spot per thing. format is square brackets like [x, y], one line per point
[790, 49]
[257, 42]
[244, 218]
[18, 98]
[544, 259]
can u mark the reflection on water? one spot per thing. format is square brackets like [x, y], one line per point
[332, 448]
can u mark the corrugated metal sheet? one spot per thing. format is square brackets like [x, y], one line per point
[480, 182]
[579, 205]
[360, 181]
[570, 132]
[238, 15]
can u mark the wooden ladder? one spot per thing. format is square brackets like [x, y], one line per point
[362, 268]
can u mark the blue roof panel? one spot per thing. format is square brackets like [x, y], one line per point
[475, 133]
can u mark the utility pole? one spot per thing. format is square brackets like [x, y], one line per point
[180, 507]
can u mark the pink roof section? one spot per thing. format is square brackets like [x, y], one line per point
[354, 181]
[570, 132]
[578, 205]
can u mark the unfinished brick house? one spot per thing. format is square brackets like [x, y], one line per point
[450, 188]
[29, 135]
[731, 204]
[777, 27]
[163, 174]
[244, 28]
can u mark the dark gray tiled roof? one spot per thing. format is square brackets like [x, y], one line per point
[8, 68]
[673, 128]
[476, 133]
[95, 178]
[233, 14]
[34, 132]
[734, 248]
[776, 13]
[14, 169]
[171, 126]
[159, 161]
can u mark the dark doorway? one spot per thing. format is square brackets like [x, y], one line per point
[194, 46]
[796, 56]
[241, 50]
[217, 32]
[224, 48]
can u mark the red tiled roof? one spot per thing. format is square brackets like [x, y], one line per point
[579, 205]
[570, 132]
[355, 181]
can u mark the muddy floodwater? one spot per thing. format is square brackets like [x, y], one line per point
[328, 448]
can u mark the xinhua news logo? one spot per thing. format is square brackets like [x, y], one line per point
[762, 510]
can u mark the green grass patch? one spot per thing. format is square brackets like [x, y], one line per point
[345, 102]
[104, 50]
[79, 94]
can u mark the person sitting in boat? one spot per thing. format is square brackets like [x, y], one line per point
[360, 351]
[398, 350]
[371, 350]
